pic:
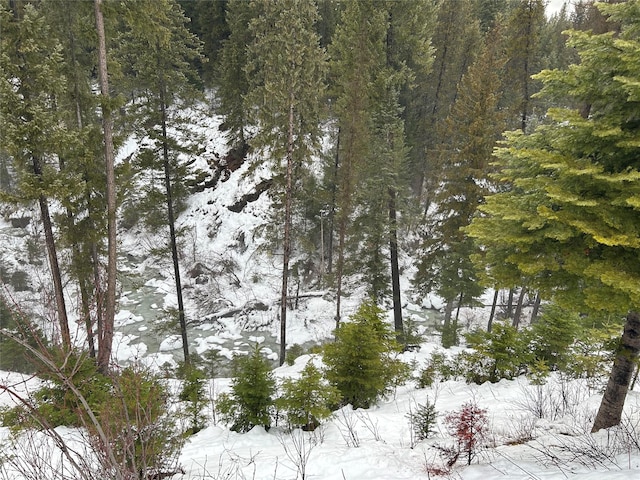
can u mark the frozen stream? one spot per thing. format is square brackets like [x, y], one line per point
[143, 318]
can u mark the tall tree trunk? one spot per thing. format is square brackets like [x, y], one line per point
[496, 293]
[518, 313]
[395, 270]
[52, 254]
[610, 411]
[332, 212]
[510, 304]
[536, 308]
[287, 236]
[171, 221]
[105, 339]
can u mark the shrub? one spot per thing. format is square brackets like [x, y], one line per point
[551, 336]
[252, 393]
[360, 362]
[141, 430]
[294, 352]
[468, 426]
[54, 402]
[507, 351]
[308, 400]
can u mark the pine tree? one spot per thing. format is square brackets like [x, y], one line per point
[252, 393]
[469, 135]
[231, 78]
[360, 362]
[568, 221]
[105, 331]
[356, 56]
[524, 28]
[286, 66]
[455, 41]
[160, 52]
[34, 133]
[82, 225]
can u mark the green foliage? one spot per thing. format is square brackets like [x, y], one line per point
[15, 357]
[410, 335]
[294, 352]
[136, 419]
[131, 408]
[55, 403]
[501, 353]
[423, 420]
[360, 362]
[253, 387]
[551, 336]
[591, 354]
[565, 218]
[193, 393]
[308, 400]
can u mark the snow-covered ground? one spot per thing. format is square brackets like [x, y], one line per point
[535, 432]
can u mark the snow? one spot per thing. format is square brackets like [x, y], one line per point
[372, 444]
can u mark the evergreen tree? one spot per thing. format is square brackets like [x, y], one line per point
[308, 400]
[252, 393]
[469, 135]
[568, 220]
[160, 52]
[82, 225]
[524, 28]
[286, 67]
[105, 330]
[231, 78]
[360, 362]
[34, 134]
[455, 40]
[356, 56]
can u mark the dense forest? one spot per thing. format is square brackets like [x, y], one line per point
[468, 145]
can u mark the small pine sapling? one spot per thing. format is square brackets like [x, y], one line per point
[193, 393]
[308, 400]
[422, 420]
[468, 425]
[252, 390]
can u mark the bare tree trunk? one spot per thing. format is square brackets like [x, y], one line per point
[287, 236]
[395, 270]
[105, 339]
[171, 221]
[496, 293]
[536, 308]
[610, 411]
[332, 212]
[61, 307]
[518, 314]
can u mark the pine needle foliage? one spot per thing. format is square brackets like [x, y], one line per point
[253, 389]
[307, 401]
[361, 363]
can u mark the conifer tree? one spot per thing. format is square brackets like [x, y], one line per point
[469, 135]
[569, 218]
[34, 134]
[231, 77]
[160, 52]
[105, 330]
[286, 66]
[83, 223]
[524, 28]
[356, 56]
[455, 40]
